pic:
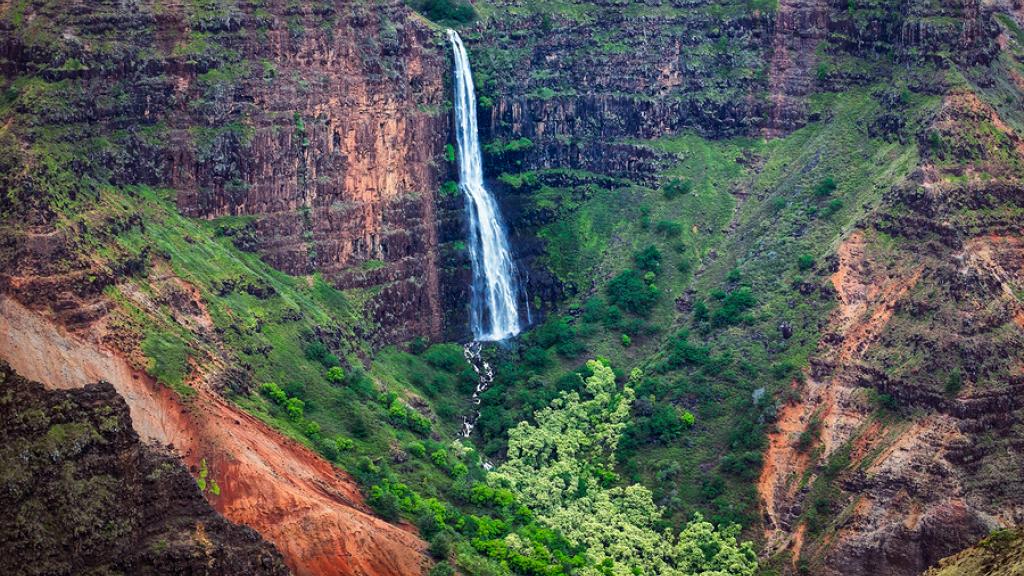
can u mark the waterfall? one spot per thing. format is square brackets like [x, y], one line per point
[494, 311]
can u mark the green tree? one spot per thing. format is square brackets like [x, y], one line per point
[294, 407]
[335, 375]
[629, 291]
[561, 465]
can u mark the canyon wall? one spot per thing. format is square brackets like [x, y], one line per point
[871, 494]
[318, 127]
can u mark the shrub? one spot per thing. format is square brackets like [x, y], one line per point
[745, 465]
[440, 458]
[359, 380]
[682, 353]
[440, 546]
[419, 345]
[626, 341]
[676, 187]
[274, 392]
[344, 444]
[384, 503]
[594, 310]
[318, 352]
[484, 495]
[805, 262]
[733, 306]
[441, 569]
[417, 449]
[449, 189]
[665, 424]
[668, 228]
[700, 311]
[688, 419]
[809, 435]
[447, 357]
[311, 428]
[825, 188]
[501, 147]
[327, 448]
[629, 291]
[556, 330]
[456, 11]
[648, 259]
[834, 205]
[294, 407]
[954, 382]
[536, 358]
[335, 375]
[401, 415]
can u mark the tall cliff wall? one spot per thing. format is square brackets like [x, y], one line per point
[320, 126]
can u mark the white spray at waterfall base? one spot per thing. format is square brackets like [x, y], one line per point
[494, 310]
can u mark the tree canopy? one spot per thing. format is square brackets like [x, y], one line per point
[561, 465]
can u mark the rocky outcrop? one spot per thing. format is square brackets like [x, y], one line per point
[83, 494]
[1001, 553]
[799, 28]
[904, 444]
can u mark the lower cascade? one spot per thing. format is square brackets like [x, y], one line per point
[485, 377]
[494, 309]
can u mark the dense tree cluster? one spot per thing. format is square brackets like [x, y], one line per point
[561, 465]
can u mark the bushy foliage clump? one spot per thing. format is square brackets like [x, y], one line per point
[562, 465]
[631, 292]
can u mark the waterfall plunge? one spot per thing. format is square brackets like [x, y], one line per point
[494, 311]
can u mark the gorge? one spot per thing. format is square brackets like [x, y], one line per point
[664, 286]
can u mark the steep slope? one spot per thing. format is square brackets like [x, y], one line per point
[82, 494]
[1000, 554]
[313, 512]
[904, 444]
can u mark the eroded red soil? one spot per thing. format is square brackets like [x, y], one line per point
[311, 511]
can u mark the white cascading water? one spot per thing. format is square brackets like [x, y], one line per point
[494, 313]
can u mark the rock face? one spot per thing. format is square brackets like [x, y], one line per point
[341, 153]
[904, 445]
[318, 125]
[82, 493]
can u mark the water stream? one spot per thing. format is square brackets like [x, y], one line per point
[485, 376]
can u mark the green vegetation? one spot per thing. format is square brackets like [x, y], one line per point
[562, 466]
[451, 12]
[206, 481]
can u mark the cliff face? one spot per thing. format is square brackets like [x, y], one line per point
[82, 493]
[904, 444]
[341, 152]
[321, 125]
